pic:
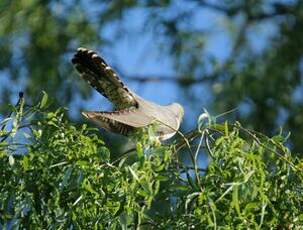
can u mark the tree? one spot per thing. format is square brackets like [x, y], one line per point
[67, 178]
[59, 174]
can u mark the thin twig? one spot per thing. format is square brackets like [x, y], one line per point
[123, 155]
[196, 161]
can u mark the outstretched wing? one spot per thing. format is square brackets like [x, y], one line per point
[103, 78]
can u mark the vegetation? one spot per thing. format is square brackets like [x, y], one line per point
[255, 67]
[58, 175]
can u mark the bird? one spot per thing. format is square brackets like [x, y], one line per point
[131, 112]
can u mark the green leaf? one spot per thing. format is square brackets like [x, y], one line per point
[25, 163]
[67, 175]
[43, 100]
[133, 173]
[123, 219]
[11, 160]
[235, 198]
[190, 199]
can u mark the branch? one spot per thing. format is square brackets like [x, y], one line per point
[228, 11]
[182, 80]
[20, 103]
[279, 9]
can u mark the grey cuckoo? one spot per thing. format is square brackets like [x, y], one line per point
[131, 112]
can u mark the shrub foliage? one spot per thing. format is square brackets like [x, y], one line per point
[58, 175]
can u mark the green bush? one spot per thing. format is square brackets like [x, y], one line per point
[58, 175]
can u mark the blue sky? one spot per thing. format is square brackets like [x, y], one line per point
[138, 53]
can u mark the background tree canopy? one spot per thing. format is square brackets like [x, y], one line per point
[221, 54]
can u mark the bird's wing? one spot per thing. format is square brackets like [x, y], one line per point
[103, 78]
[133, 117]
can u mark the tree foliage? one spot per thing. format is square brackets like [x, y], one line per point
[58, 175]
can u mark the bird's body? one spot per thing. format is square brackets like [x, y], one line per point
[131, 111]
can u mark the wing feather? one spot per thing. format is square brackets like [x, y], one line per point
[133, 118]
